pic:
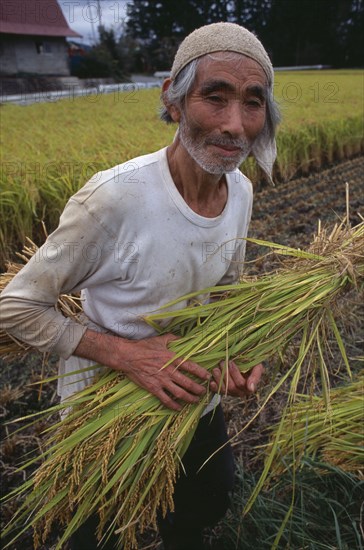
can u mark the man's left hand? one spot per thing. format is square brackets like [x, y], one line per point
[230, 381]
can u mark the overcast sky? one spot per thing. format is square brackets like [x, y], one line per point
[83, 16]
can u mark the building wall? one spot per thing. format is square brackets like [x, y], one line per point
[33, 55]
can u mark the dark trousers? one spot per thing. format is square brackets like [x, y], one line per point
[201, 497]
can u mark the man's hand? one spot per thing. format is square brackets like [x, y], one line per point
[230, 381]
[142, 361]
[144, 365]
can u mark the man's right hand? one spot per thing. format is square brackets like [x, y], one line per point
[143, 362]
[144, 365]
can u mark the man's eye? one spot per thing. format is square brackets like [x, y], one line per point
[255, 103]
[215, 98]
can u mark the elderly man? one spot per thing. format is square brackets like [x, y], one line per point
[148, 231]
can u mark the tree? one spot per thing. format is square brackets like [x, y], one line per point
[295, 32]
[161, 26]
[105, 60]
[350, 24]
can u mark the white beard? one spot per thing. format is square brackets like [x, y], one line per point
[211, 162]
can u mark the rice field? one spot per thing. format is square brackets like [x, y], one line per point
[322, 119]
[49, 150]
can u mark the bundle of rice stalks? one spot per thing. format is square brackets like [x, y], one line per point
[309, 430]
[117, 453]
[310, 433]
[70, 306]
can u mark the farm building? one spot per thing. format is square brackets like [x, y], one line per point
[33, 38]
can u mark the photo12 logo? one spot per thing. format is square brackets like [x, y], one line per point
[318, 92]
[97, 12]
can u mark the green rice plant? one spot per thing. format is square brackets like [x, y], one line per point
[309, 430]
[309, 97]
[323, 503]
[118, 450]
[18, 210]
[310, 145]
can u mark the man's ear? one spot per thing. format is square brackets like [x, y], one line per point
[172, 109]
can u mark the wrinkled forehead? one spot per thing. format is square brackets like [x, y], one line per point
[234, 66]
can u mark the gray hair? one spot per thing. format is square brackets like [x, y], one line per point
[264, 147]
[179, 89]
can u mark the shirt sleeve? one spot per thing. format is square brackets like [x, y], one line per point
[67, 262]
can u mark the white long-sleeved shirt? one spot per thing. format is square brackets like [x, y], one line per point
[130, 243]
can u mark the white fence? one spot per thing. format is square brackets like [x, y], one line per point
[74, 91]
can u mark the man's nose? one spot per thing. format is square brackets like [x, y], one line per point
[233, 121]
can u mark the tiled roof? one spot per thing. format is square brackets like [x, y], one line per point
[34, 17]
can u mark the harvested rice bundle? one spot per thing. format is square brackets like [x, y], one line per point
[334, 437]
[118, 451]
[261, 316]
[70, 306]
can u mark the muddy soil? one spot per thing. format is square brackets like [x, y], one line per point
[288, 214]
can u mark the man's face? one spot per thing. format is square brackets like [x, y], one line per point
[224, 113]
